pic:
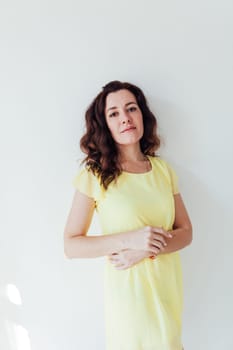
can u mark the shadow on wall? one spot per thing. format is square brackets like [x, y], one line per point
[13, 336]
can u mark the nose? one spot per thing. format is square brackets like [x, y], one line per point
[125, 118]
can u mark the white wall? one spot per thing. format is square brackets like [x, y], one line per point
[55, 57]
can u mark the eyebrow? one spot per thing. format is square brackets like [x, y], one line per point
[128, 103]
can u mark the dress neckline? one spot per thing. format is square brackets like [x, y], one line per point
[145, 173]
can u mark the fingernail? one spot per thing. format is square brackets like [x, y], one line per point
[170, 235]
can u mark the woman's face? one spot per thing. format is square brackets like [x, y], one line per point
[124, 117]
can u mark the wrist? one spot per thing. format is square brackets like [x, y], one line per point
[125, 241]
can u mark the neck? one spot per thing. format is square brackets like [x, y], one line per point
[131, 153]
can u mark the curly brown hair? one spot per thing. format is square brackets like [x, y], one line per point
[97, 143]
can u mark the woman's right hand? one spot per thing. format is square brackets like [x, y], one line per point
[148, 238]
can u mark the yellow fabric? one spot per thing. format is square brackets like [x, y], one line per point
[143, 304]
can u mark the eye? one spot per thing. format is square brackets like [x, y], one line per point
[132, 109]
[112, 114]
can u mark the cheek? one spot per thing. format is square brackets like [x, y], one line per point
[112, 128]
[112, 124]
[140, 122]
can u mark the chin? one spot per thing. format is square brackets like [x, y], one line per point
[129, 141]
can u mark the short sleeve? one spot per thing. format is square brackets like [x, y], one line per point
[173, 179]
[87, 183]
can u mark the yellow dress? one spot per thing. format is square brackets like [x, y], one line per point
[143, 304]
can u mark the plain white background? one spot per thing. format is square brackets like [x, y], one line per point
[55, 57]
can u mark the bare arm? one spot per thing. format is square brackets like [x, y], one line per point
[182, 228]
[76, 243]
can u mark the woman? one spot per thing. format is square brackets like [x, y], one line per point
[143, 219]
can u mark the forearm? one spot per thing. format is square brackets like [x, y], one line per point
[95, 246]
[181, 238]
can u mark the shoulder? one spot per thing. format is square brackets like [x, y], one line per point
[86, 182]
[84, 174]
[168, 171]
[160, 162]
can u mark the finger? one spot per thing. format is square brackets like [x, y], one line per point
[154, 249]
[158, 237]
[119, 265]
[114, 260]
[158, 244]
[152, 254]
[113, 255]
[162, 232]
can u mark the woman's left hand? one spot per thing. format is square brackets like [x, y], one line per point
[127, 258]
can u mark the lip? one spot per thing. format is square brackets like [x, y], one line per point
[129, 128]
